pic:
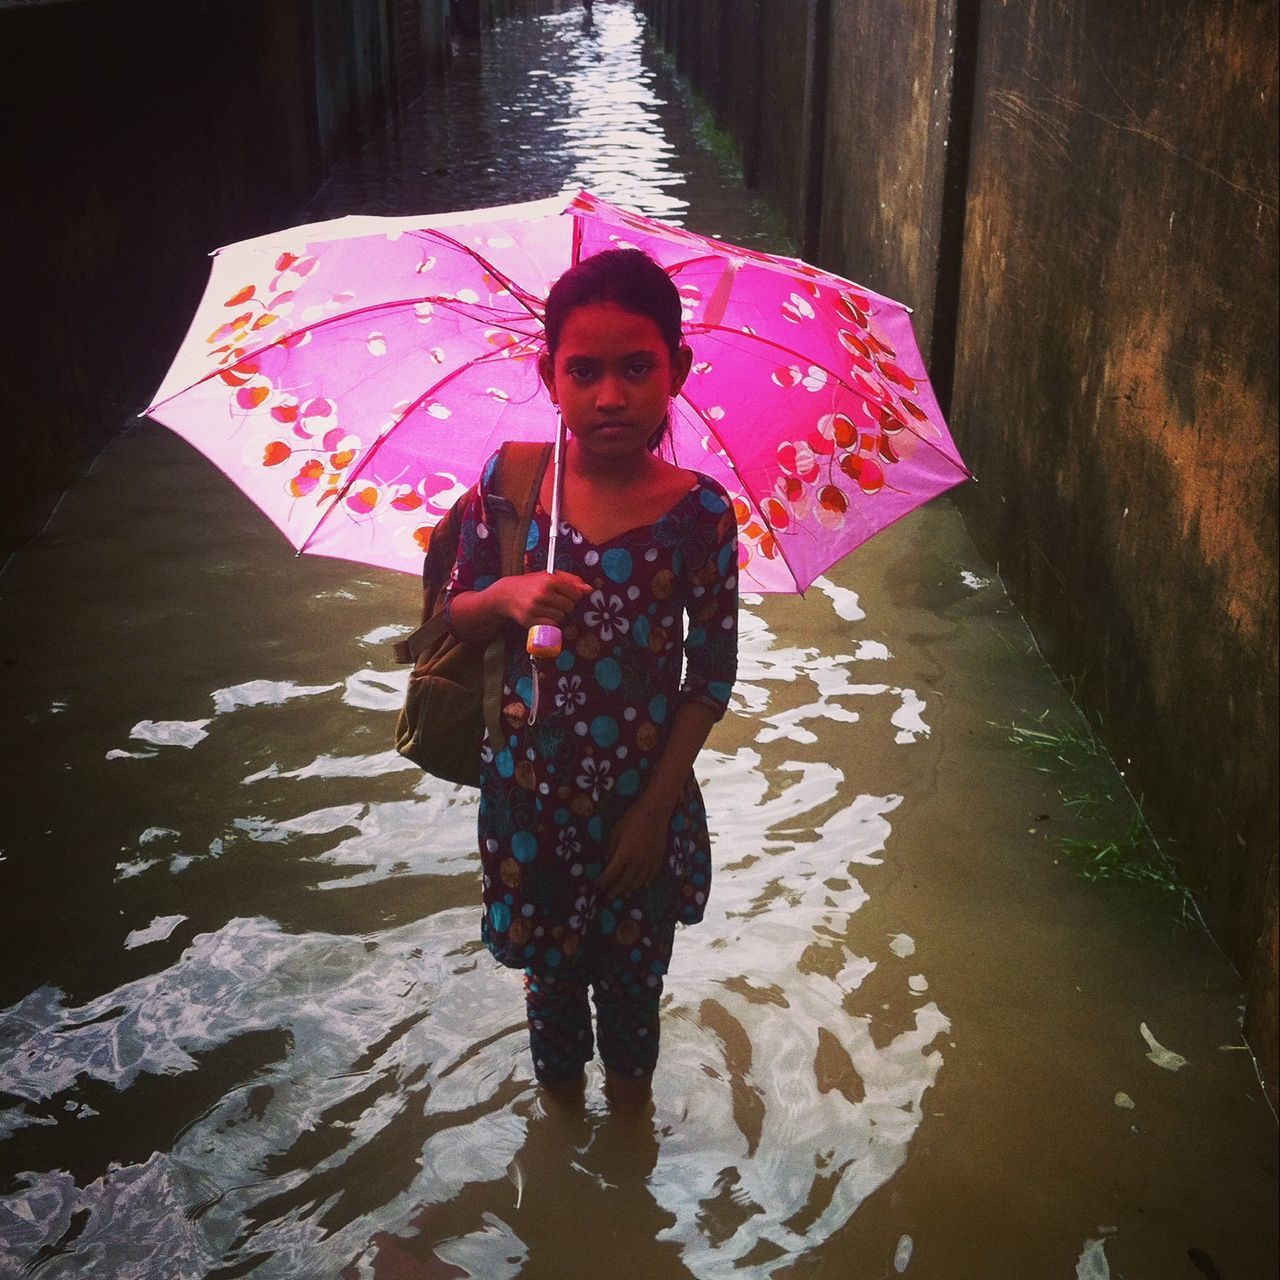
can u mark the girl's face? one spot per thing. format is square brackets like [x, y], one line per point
[613, 377]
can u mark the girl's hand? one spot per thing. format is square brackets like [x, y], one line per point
[534, 599]
[636, 849]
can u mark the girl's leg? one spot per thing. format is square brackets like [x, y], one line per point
[627, 1026]
[627, 990]
[559, 1029]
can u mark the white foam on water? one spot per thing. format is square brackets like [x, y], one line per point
[871, 651]
[844, 601]
[326, 766]
[377, 690]
[315, 822]
[127, 870]
[157, 931]
[973, 581]
[442, 1015]
[761, 661]
[170, 733]
[264, 693]
[770, 906]
[151, 1197]
[384, 635]
[789, 724]
[909, 717]
[387, 839]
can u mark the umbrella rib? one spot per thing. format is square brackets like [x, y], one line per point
[448, 303]
[777, 542]
[358, 470]
[831, 373]
[521, 294]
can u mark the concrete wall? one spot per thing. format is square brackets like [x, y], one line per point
[139, 135]
[719, 45]
[1080, 203]
[881, 201]
[1116, 390]
[779, 89]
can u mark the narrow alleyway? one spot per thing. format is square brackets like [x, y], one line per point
[247, 1025]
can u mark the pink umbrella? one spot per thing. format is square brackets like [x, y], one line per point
[353, 376]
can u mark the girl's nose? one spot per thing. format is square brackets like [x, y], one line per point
[610, 393]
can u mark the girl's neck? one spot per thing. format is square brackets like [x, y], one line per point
[610, 472]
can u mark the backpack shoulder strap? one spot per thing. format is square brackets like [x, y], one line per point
[518, 478]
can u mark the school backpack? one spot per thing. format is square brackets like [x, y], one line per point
[455, 688]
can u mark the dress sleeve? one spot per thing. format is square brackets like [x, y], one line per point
[711, 643]
[478, 563]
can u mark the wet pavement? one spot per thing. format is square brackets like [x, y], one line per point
[248, 1028]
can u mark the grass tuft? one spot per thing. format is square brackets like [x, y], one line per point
[1093, 791]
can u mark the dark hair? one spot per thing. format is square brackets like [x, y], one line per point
[627, 277]
[630, 279]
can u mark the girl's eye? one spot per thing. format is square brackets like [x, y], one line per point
[581, 372]
[640, 369]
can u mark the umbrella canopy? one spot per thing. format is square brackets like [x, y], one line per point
[352, 377]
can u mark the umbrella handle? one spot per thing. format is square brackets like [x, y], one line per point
[545, 640]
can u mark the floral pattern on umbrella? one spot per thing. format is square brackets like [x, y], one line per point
[353, 376]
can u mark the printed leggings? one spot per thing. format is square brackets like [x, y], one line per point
[560, 1016]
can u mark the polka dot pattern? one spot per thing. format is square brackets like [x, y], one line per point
[663, 596]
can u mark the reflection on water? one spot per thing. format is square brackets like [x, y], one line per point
[384, 1075]
[543, 107]
[285, 1052]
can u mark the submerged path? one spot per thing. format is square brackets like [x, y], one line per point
[247, 1025]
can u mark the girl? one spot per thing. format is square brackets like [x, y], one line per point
[593, 837]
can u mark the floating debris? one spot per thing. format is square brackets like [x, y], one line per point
[1161, 1056]
[902, 1254]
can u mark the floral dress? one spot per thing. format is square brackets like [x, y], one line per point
[551, 792]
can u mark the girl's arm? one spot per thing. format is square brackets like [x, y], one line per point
[638, 842]
[528, 600]
[479, 602]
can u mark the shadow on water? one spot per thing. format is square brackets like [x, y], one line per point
[250, 1027]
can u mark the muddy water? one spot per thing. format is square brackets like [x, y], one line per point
[248, 1027]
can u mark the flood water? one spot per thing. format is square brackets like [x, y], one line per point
[248, 1027]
